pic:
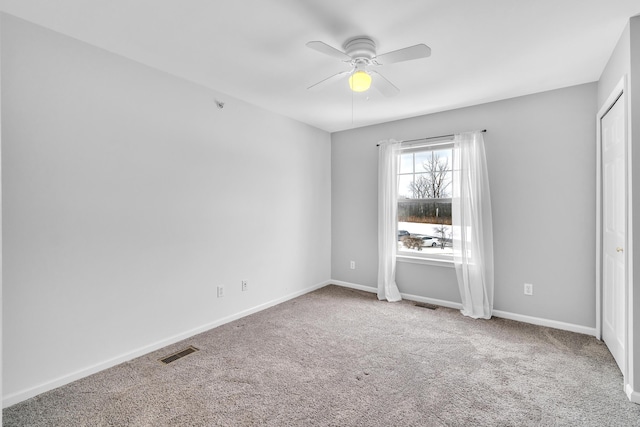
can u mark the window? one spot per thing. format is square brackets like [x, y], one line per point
[424, 201]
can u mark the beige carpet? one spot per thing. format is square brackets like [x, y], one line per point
[338, 357]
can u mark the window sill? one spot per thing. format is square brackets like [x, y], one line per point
[448, 263]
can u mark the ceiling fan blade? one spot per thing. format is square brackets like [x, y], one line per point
[383, 85]
[328, 50]
[329, 80]
[405, 54]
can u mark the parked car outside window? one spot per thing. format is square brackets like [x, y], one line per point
[430, 241]
[402, 234]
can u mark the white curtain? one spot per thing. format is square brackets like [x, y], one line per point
[472, 226]
[388, 157]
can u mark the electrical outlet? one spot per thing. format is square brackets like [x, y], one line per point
[220, 291]
[353, 265]
[244, 285]
[528, 289]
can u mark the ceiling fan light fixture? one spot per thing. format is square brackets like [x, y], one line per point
[360, 81]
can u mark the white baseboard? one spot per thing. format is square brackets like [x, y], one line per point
[497, 313]
[434, 301]
[354, 286]
[410, 297]
[633, 396]
[20, 396]
[546, 322]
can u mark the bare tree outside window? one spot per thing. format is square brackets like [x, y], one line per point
[434, 183]
[443, 234]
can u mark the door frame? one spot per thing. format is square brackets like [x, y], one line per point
[619, 90]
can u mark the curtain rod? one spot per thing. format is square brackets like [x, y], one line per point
[431, 137]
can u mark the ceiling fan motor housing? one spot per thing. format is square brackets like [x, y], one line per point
[360, 53]
[360, 48]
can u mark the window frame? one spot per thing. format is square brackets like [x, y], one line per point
[416, 257]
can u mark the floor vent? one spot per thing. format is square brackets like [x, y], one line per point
[175, 356]
[425, 305]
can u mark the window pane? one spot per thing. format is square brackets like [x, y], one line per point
[406, 163]
[446, 186]
[443, 157]
[422, 186]
[428, 211]
[428, 223]
[422, 158]
[432, 185]
[405, 186]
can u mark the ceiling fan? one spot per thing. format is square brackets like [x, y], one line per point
[360, 53]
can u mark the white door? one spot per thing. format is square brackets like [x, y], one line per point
[614, 230]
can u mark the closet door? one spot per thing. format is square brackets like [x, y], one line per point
[614, 229]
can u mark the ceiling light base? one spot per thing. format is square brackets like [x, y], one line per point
[360, 48]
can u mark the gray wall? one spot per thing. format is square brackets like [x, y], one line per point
[128, 196]
[618, 65]
[541, 156]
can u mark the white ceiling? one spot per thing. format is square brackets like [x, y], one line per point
[254, 50]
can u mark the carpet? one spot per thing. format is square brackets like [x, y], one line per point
[340, 357]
